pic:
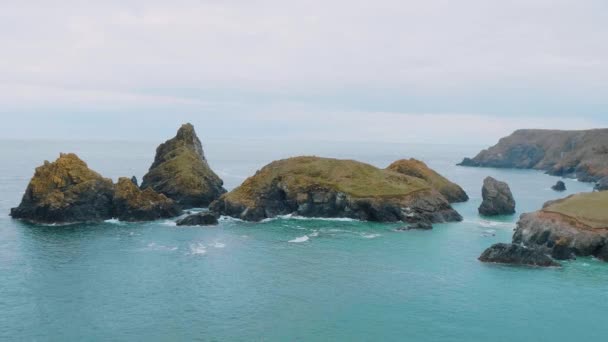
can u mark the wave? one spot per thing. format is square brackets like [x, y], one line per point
[300, 239]
[218, 245]
[491, 224]
[113, 221]
[198, 249]
[169, 223]
[230, 219]
[299, 217]
[369, 236]
[156, 247]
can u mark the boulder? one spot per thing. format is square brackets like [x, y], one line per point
[180, 171]
[134, 181]
[497, 198]
[416, 168]
[515, 254]
[325, 187]
[199, 219]
[601, 185]
[130, 203]
[559, 186]
[65, 191]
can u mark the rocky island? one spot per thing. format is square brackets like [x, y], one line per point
[324, 187]
[180, 171]
[497, 198]
[577, 154]
[573, 226]
[67, 191]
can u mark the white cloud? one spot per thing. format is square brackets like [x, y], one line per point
[353, 58]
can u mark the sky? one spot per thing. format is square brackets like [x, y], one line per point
[464, 71]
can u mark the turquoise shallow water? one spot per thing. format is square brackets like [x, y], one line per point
[335, 280]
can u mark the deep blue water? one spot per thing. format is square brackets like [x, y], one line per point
[350, 281]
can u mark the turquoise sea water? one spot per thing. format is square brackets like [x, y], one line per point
[285, 279]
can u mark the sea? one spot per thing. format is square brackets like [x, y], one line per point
[288, 278]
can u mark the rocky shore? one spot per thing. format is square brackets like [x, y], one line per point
[564, 229]
[576, 154]
[324, 187]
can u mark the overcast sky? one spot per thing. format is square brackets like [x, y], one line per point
[382, 70]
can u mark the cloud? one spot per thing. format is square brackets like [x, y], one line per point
[518, 59]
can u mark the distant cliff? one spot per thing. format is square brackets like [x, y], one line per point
[577, 154]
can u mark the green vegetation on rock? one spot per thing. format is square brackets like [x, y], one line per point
[66, 191]
[325, 187]
[303, 174]
[590, 208]
[133, 204]
[416, 168]
[181, 172]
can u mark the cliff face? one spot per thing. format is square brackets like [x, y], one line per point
[323, 187]
[133, 204]
[416, 168]
[66, 191]
[181, 172]
[579, 154]
[574, 226]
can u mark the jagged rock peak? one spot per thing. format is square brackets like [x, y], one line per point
[181, 172]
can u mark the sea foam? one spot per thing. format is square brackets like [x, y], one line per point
[300, 239]
[198, 249]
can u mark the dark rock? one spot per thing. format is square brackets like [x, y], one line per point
[134, 181]
[497, 198]
[515, 254]
[199, 219]
[601, 185]
[602, 253]
[559, 186]
[579, 154]
[181, 172]
[562, 250]
[66, 191]
[130, 203]
[422, 225]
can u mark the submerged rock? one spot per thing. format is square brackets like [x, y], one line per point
[199, 219]
[497, 198]
[64, 191]
[515, 254]
[181, 172]
[559, 186]
[417, 226]
[130, 203]
[324, 187]
[580, 154]
[416, 168]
